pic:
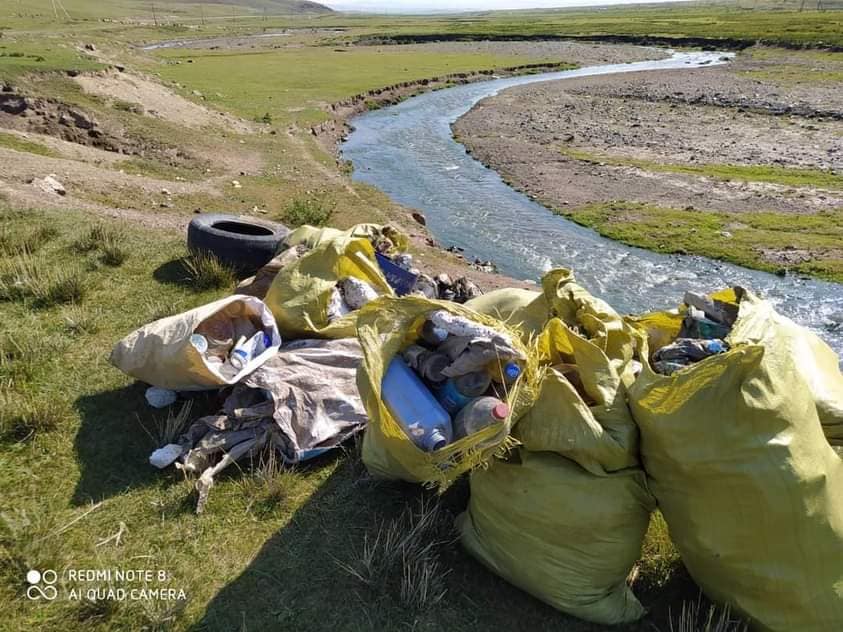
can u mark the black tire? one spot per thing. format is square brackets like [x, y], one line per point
[244, 243]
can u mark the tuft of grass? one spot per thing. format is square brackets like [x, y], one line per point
[113, 252]
[24, 278]
[404, 554]
[15, 241]
[693, 618]
[108, 242]
[311, 211]
[659, 558]
[21, 418]
[79, 321]
[92, 240]
[206, 272]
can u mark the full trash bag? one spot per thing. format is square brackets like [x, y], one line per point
[387, 326]
[301, 293]
[750, 488]
[759, 323]
[559, 532]
[312, 236]
[567, 530]
[162, 355]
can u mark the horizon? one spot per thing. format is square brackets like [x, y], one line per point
[465, 6]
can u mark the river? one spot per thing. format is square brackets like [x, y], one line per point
[407, 151]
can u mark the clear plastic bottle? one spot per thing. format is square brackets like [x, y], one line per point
[478, 414]
[247, 350]
[415, 408]
[458, 391]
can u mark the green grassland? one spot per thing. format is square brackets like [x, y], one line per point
[741, 238]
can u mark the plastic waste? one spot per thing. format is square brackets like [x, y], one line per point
[428, 364]
[696, 325]
[458, 391]
[199, 342]
[477, 414]
[337, 307]
[504, 373]
[415, 408]
[687, 350]
[248, 349]
[356, 292]
[163, 457]
[160, 397]
[400, 278]
[433, 335]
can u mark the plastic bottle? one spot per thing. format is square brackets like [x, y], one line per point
[433, 335]
[458, 391]
[415, 408]
[247, 349]
[478, 414]
[506, 374]
[428, 364]
[199, 342]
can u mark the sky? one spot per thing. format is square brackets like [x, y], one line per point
[424, 6]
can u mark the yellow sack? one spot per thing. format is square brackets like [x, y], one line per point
[311, 236]
[161, 354]
[385, 327]
[751, 490]
[524, 310]
[782, 339]
[599, 434]
[560, 533]
[299, 294]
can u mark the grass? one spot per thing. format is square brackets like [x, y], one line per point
[749, 239]
[108, 242]
[15, 142]
[294, 83]
[311, 211]
[33, 280]
[206, 272]
[786, 176]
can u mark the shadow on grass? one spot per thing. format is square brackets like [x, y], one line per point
[174, 272]
[295, 582]
[116, 435]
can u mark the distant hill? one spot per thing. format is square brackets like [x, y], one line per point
[271, 6]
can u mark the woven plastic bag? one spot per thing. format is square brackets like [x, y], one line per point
[567, 530]
[751, 490]
[300, 294]
[815, 362]
[559, 532]
[384, 328]
[161, 354]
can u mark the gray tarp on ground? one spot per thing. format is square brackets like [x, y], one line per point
[303, 401]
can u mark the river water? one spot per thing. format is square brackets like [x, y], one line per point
[407, 151]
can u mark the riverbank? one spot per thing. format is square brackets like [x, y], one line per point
[741, 162]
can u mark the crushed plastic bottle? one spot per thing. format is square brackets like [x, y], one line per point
[507, 373]
[356, 293]
[247, 350]
[688, 350]
[415, 408]
[477, 414]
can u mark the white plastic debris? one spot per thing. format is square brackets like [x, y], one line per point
[160, 397]
[356, 292]
[163, 457]
[460, 326]
[337, 307]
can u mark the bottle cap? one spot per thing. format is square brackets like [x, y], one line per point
[500, 411]
[435, 441]
[512, 371]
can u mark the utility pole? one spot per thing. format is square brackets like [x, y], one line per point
[154, 16]
[202, 7]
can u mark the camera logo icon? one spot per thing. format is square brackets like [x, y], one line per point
[42, 585]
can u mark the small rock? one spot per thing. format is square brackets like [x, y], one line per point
[196, 93]
[421, 219]
[165, 205]
[49, 184]
[13, 105]
[90, 47]
[166, 192]
[236, 184]
[725, 234]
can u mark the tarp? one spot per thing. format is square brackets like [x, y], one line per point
[161, 354]
[564, 535]
[302, 402]
[750, 488]
[385, 327]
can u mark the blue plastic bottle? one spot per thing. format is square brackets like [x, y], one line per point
[426, 423]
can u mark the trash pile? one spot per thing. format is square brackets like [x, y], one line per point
[573, 423]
